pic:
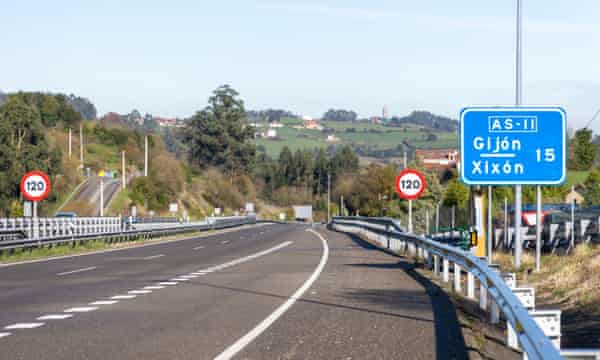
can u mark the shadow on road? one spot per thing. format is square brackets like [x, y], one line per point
[449, 340]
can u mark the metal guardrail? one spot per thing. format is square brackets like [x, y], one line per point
[530, 336]
[53, 231]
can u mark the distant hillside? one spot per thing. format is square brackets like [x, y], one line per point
[427, 120]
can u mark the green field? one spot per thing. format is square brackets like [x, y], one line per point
[363, 135]
[576, 177]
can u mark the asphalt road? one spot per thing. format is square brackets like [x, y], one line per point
[267, 292]
[90, 191]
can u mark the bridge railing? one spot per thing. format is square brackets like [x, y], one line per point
[27, 232]
[496, 290]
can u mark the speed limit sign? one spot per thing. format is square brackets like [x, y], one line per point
[410, 184]
[35, 186]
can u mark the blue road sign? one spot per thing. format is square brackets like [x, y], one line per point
[507, 146]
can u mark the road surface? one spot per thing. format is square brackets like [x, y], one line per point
[90, 192]
[266, 292]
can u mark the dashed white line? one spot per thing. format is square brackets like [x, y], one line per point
[55, 317]
[153, 287]
[199, 273]
[224, 241]
[77, 271]
[199, 247]
[232, 350]
[178, 279]
[123, 297]
[104, 302]
[191, 276]
[81, 309]
[153, 257]
[4, 334]
[138, 292]
[23, 326]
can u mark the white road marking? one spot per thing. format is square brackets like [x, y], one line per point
[153, 257]
[232, 350]
[178, 279]
[199, 273]
[104, 302]
[23, 326]
[4, 334]
[77, 271]
[81, 309]
[137, 292]
[224, 242]
[191, 276]
[199, 247]
[245, 258]
[168, 283]
[153, 287]
[123, 297]
[55, 317]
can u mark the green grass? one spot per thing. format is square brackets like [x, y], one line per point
[388, 138]
[119, 202]
[576, 177]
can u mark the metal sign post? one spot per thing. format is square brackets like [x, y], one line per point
[410, 184]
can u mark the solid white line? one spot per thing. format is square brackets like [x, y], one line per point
[178, 279]
[133, 247]
[199, 247]
[199, 273]
[81, 309]
[153, 257]
[4, 334]
[264, 325]
[153, 287]
[168, 283]
[55, 317]
[123, 297]
[104, 302]
[77, 271]
[23, 326]
[137, 292]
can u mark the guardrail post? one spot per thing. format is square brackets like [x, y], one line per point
[436, 265]
[457, 278]
[446, 274]
[470, 285]
[510, 279]
[482, 296]
[526, 296]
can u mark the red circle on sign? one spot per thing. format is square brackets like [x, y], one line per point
[406, 175]
[31, 194]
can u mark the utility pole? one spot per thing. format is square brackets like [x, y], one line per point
[405, 162]
[518, 102]
[146, 156]
[572, 241]
[426, 222]
[489, 226]
[328, 198]
[123, 177]
[453, 219]
[505, 221]
[437, 218]
[70, 143]
[341, 205]
[101, 196]
[81, 145]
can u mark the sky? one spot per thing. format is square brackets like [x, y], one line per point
[166, 57]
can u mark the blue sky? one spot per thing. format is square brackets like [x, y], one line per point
[165, 57]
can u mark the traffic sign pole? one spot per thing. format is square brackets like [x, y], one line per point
[538, 228]
[410, 223]
[518, 102]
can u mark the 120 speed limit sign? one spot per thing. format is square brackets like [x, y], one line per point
[410, 184]
[35, 186]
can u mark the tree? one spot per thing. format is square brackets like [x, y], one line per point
[591, 193]
[219, 136]
[457, 194]
[340, 115]
[584, 151]
[23, 147]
